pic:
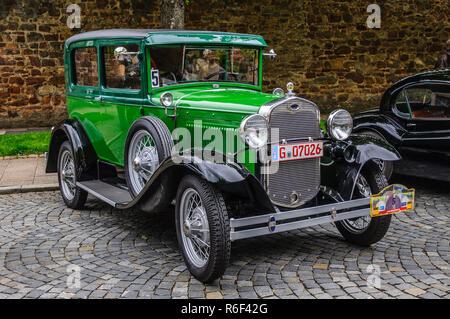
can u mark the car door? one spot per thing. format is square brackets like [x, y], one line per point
[426, 142]
[121, 94]
[83, 92]
[429, 124]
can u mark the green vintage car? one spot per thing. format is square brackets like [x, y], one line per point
[164, 117]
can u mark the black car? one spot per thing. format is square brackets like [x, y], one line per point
[414, 116]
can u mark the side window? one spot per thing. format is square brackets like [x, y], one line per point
[441, 99]
[419, 96]
[85, 66]
[122, 66]
[429, 101]
[402, 106]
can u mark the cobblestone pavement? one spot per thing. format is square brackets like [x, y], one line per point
[45, 248]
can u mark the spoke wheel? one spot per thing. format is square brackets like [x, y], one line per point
[203, 228]
[143, 159]
[364, 231]
[148, 144]
[67, 175]
[360, 224]
[194, 222]
[73, 196]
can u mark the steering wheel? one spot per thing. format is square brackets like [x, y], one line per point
[174, 77]
[220, 72]
[166, 80]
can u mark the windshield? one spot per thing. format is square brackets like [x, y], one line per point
[174, 65]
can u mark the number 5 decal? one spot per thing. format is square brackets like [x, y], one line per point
[155, 78]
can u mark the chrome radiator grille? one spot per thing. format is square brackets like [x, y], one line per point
[297, 181]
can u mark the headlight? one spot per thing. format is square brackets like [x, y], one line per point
[166, 99]
[339, 124]
[254, 131]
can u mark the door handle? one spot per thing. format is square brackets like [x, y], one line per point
[98, 98]
[411, 125]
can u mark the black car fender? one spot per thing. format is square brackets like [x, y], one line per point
[85, 157]
[353, 155]
[388, 128]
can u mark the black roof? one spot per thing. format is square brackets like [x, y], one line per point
[443, 74]
[431, 75]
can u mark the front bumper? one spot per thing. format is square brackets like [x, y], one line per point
[260, 225]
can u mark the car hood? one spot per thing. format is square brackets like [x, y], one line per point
[234, 100]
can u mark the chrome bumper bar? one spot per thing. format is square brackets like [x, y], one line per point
[260, 225]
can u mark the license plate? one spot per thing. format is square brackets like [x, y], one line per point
[288, 152]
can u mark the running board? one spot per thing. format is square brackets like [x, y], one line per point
[260, 225]
[106, 192]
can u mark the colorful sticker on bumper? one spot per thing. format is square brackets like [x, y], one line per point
[393, 199]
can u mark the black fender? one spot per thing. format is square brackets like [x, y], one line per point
[232, 178]
[379, 123]
[353, 155]
[85, 157]
[229, 177]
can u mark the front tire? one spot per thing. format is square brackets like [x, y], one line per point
[364, 231]
[203, 228]
[73, 196]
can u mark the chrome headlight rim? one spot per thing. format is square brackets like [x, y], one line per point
[278, 92]
[330, 124]
[243, 131]
[166, 99]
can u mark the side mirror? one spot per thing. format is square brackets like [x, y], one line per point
[270, 54]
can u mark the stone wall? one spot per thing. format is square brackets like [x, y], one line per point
[326, 48]
[31, 51]
[323, 46]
